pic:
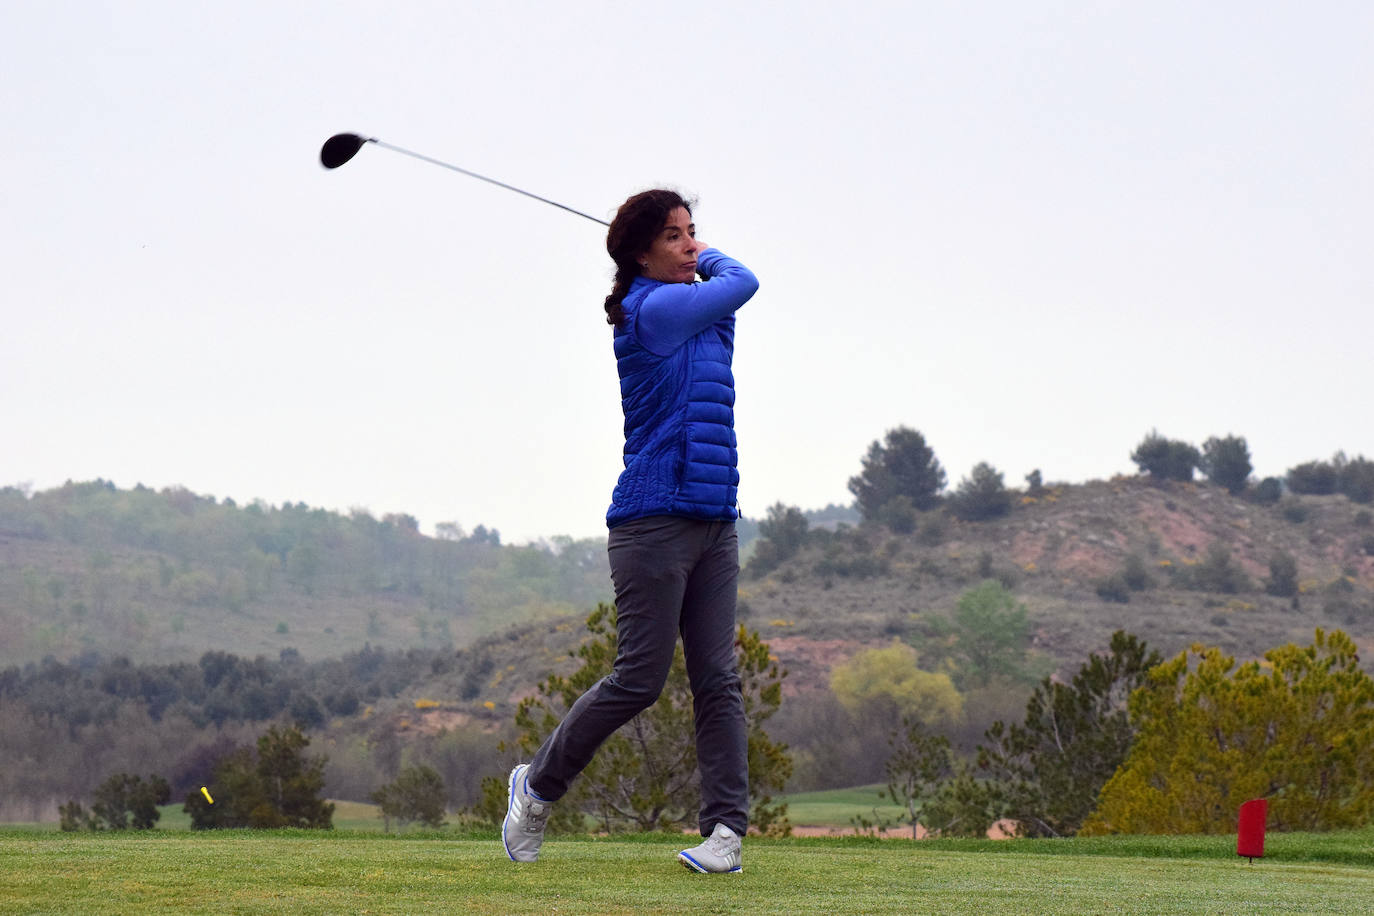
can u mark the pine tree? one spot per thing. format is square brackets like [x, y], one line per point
[1051, 766]
[644, 777]
[278, 786]
[902, 465]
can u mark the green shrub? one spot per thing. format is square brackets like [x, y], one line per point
[1317, 478]
[1356, 479]
[1294, 511]
[781, 534]
[851, 558]
[898, 514]
[1218, 572]
[1166, 459]
[120, 802]
[1136, 574]
[1267, 492]
[1226, 462]
[1114, 588]
[931, 530]
[982, 495]
[417, 794]
[1283, 575]
[1348, 609]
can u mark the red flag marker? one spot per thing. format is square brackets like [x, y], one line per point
[1250, 832]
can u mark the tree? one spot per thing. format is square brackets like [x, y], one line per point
[276, 787]
[1226, 462]
[1315, 478]
[293, 782]
[966, 805]
[898, 514]
[1165, 459]
[990, 635]
[902, 466]
[982, 495]
[887, 683]
[73, 816]
[1218, 572]
[1356, 479]
[770, 764]
[919, 762]
[1051, 767]
[1283, 575]
[1295, 728]
[120, 802]
[782, 534]
[1268, 491]
[644, 777]
[124, 800]
[417, 794]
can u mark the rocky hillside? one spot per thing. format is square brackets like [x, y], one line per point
[1197, 560]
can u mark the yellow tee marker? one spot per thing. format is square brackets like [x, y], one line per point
[206, 792]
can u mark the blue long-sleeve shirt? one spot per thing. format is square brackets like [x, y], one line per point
[674, 352]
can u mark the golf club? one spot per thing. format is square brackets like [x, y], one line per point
[340, 148]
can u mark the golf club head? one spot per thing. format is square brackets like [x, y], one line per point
[340, 148]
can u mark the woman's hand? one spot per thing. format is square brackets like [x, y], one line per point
[701, 246]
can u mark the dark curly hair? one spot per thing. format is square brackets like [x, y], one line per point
[636, 224]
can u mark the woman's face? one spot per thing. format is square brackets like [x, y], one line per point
[672, 258]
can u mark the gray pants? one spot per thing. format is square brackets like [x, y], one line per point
[672, 576]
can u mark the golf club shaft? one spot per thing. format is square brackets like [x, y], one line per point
[499, 184]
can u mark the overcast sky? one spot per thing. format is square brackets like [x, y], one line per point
[1033, 231]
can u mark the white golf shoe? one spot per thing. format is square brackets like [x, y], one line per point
[719, 854]
[526, 814]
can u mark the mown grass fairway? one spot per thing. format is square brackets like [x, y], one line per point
[838, 807]
[335, 872]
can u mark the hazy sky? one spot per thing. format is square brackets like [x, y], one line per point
[1033, 231]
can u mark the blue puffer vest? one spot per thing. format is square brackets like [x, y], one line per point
[680, 451]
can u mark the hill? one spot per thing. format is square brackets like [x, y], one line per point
[165, 576]
[191, 590]
[1201, 558]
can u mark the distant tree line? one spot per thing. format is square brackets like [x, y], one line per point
[67, 724]
[1226, 463]
[197, 552]
[221, 688]
[901, 476]
[901, 483]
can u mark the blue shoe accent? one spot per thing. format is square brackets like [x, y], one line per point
[691, 863]
[522, 832]
[510, 801]
[719, 854]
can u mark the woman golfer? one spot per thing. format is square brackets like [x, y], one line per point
[674, 555]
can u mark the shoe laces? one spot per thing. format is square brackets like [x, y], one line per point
[536, 815]
[722, 845]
